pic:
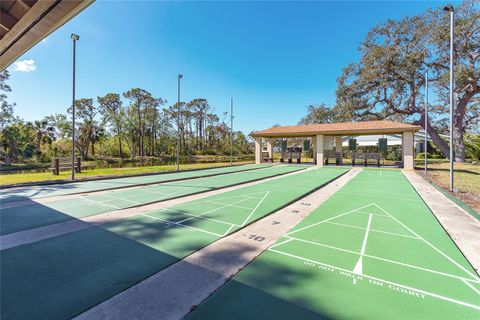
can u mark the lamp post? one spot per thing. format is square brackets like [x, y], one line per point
[425, 148]
[178, 123]
[449, 8]
[231, 131]
[75, 38]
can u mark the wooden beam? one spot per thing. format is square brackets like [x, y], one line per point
[6, 20]
[42, 19]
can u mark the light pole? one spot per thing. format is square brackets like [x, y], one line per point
[425, 148]
[449, 8]
[231, 131]
[178, 123]
[75, 38]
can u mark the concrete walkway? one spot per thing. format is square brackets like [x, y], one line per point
[174, 291]
[459, 224]
[50, 231]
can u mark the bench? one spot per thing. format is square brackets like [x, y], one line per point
[331, 154]
[288, 155]
[366, 156]
[64, 163]
[297, 155]
[266, 157]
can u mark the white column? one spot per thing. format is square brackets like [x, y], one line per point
[258, 150]
[270, 147]
[314, 149]
[319, 148]
[338, 147]
[408, 150]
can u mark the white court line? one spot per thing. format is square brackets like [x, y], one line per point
[375, 230]
[326, 220]
[386, 260]
[240, 207]
[115, 198]
[100, 203]
[228, 230]
[182, 225]
[255, 209]
[384, 197]
[359, 266]
[194, 216]
[380, 215]
[385, 281]
[472, 287]
[210, 211]
[431, 245]
[283, 242]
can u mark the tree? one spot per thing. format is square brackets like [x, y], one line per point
[113, 112]
[318, 114]
[139, 98]
[85, 112]
[6, 109]
[388, 80]
[43, 132]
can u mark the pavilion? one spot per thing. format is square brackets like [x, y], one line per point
[328, 137]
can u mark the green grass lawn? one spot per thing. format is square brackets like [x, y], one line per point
[466, 179]
[17, 178]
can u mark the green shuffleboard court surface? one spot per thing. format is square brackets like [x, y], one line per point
[23, 193]
[373, 250]
[37, 215]
[60, 277]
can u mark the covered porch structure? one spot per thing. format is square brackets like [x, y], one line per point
[327, 139]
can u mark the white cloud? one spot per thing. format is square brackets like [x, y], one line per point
[25, 65]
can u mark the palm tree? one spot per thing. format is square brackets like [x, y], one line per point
[43, 130]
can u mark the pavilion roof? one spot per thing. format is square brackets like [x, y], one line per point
[340, 128]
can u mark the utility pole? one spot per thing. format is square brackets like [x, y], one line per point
[426, 119]
[449, 8]
[75, 38]
[178, 123]
[231, 131]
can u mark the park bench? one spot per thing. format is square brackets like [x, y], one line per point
[366, 156]
[65, 163]
[290, 156]
[331, 154]
[296, 155]
[266, 157]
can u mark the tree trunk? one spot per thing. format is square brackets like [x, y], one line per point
[120, 153]
[458, 130]
[441, 144]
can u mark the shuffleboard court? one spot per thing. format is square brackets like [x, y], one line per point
[373, 250]
[23, 193]
[37, 215]
[59, 277]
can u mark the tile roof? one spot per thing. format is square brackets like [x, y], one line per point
[350, 128]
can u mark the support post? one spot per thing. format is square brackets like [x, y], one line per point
[270, 149]
[408, 150]
[258, 150]
[56, 171]
[319, 147]
[338, 148]
[314, 149]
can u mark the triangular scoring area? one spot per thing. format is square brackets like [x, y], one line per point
[386, 223]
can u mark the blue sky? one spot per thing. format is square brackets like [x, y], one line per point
[274, 58]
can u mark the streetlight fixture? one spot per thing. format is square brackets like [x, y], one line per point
[75, 38]
[180, 76]
[449, 8]
[425, 148]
